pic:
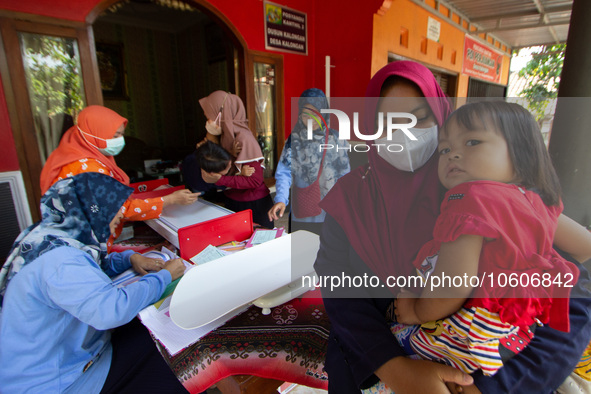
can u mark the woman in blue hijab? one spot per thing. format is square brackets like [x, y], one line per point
[59, 303]
[311, 171]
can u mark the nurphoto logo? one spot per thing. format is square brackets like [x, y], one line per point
[345, 129]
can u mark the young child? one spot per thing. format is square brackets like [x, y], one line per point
[245, 192]
[498, 222]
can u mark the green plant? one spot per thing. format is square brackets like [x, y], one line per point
[543, 75]
[53, 73]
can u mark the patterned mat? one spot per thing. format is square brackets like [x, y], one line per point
[289, 344]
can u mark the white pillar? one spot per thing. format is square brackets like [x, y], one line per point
[327, 67]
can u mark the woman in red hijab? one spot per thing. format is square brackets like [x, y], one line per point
[90, 146]
[378, 217]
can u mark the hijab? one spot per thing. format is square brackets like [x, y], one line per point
[303, 156]
[95, 121]
[234, 125]
[388, 214]
[75, 212]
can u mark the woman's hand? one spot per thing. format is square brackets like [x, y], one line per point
[180, 197]
[142, 264]
[236, 148]
[246, 170]
[405, 308]
[115, 223]
[210, 177]
[278, 207]
[404, 375]
[176, 267]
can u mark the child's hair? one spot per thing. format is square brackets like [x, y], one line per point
[212, 157]
[527, 150]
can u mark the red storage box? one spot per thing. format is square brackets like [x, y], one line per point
[232, 227]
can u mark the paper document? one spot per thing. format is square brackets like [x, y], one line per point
[208, 254]
[174, 338]
[264, 235]
[130, 276]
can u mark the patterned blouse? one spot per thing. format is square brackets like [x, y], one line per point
[132, 209]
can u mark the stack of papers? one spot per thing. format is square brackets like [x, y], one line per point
[172, 337]
[156, 317]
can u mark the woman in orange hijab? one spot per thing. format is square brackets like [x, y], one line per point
[90, 146]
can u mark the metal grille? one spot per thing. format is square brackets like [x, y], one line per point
[9, 229]
[477, 88]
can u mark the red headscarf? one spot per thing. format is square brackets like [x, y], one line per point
[234, 125]
[388, 214]
[95, 121]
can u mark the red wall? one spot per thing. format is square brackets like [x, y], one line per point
[345, 34]
[8, 157]
[75, 10]
[342, 32]
[298, 70]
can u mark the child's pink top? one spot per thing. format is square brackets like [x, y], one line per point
[522, 230]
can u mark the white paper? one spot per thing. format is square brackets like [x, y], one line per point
[261, 236]
[129, 276]
[206, 255]
[172, 336]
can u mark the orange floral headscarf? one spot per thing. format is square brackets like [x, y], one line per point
[95, 121]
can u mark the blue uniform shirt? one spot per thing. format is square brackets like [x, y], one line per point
[55, 319]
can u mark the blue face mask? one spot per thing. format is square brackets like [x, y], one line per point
[114, 147]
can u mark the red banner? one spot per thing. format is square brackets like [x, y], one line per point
[480, 61]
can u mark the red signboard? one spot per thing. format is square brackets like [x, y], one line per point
[480, 61]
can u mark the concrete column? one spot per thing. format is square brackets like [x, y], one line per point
[570, 141]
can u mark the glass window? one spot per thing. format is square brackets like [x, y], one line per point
[55, 87]
[264, 94]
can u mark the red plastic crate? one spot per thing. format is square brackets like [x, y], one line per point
[233, 227]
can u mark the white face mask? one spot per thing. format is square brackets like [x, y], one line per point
[415, 153]
[214, 128]
[114, 145]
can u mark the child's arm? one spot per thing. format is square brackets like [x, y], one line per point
[573, 239]
[457, 259]
[244, 182]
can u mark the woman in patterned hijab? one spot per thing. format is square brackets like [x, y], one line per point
[75, 212]
[300, 160]
[59, 304]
